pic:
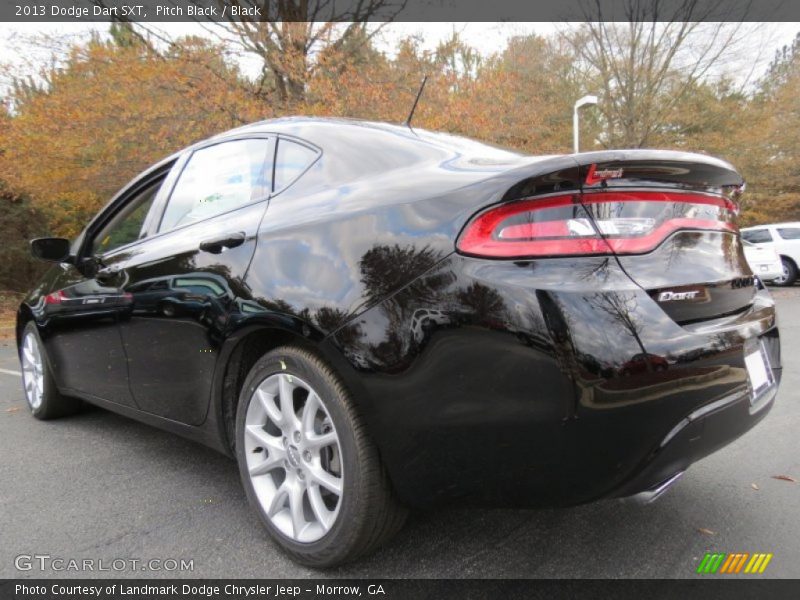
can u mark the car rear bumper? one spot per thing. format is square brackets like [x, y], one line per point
[535, 390]
[767, 271]
[697, 435]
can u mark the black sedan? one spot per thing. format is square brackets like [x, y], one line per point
[371, 317]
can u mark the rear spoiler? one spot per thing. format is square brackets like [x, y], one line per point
[626, 169]
[647, 168]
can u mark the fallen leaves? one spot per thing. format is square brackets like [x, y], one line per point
[754, 486]
[13, 409]
[785, 478]
[705, 531]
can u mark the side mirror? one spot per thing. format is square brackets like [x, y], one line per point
[51, 249]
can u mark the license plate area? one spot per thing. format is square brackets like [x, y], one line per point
[759, 372]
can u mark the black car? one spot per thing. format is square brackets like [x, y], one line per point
[371, 317]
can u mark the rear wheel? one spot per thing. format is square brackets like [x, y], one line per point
[789, 275]
[307, 464]
[41, 392]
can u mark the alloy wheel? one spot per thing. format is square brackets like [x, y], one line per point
[293, 457]
[32, 371]
[784, 277]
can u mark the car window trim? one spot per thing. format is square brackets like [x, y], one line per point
[271, 149]
[123, 198]
[171, 168]
[155, 215]
[301, 142]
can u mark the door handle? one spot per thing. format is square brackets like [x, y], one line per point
[229, 240]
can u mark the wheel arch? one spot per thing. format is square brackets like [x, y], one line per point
[240, 352]
[790, 259]
[24, 316]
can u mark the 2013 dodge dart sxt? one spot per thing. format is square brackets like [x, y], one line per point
[370, 317]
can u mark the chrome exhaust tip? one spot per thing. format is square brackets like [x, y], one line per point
[651, 495]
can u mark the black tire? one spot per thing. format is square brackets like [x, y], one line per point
[369, 513]
[53, 405]
[790, 273]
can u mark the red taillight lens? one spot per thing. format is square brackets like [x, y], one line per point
[597, 223]
[55, 297]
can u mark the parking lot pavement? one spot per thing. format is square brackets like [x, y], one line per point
[103, 487]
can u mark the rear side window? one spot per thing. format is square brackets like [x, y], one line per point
[789, 233]
[290, 162]
[200, 285]
[757, 236]
[217, 179]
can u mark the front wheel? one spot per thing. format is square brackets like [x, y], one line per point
[307, 464]
[789, 275]
[41, 392]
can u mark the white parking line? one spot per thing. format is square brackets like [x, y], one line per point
[10, 372]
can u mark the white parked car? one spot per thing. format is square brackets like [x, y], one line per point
[784, 238]
[764, 261]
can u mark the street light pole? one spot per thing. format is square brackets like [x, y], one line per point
[585, 101]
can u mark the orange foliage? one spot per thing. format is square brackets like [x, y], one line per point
[119, 106]
[109, 114]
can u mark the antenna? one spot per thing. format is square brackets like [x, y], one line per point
[416, 100]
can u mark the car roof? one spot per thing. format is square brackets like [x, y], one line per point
[765, 225]
[322, 130]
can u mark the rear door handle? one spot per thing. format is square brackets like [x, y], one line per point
[229, 240]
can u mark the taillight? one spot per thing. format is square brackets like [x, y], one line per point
[55, 297]
[598, 223]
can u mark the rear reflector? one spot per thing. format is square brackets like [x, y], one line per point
[597, 223]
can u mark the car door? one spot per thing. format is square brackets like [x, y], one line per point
[187, 280]
[84, 312]
[789, 244]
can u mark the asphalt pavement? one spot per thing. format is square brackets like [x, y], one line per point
[101, 487]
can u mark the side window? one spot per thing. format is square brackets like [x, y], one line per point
[757, 236]
[217, 179]
[290, 161]
[126, 226]
[200, 285]
[789, 233]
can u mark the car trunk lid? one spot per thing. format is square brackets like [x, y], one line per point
[670, 219]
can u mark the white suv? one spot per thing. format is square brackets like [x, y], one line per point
[785, 239]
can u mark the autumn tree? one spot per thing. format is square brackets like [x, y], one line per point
[772, 147]
[289, 37]
[112, 110]
[645, 66]
[535, 81]
[20, 221]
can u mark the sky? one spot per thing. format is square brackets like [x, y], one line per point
[486, 38]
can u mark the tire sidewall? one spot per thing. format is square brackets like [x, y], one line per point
[791, 273]
[48, 384]
[296, 364]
